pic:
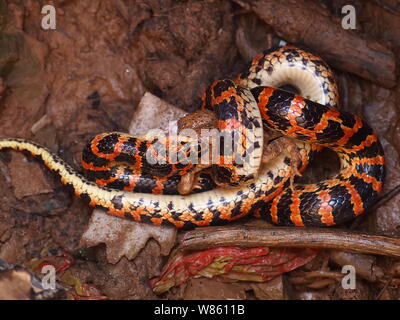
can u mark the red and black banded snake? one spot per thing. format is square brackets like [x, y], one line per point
[311, 119]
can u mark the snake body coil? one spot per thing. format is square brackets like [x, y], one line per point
[312, 123]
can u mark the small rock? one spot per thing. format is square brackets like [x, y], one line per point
[365, 265]
[22, 171]
[153, 113]
[125, 237]
[275, 289]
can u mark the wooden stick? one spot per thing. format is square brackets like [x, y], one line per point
[307, 23]
[248, 236]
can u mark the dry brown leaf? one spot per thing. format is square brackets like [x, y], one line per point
[125, 237]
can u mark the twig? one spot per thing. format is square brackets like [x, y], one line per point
[379, 295]
[309, 24]
[246, 236]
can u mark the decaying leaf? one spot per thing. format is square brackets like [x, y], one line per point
[124, 237]
[231, 263]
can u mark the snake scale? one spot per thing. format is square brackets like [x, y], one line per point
[311, 118]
